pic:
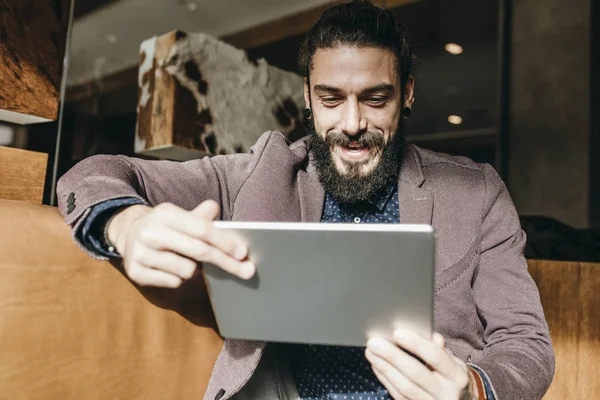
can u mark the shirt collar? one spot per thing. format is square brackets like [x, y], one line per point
[381, 199]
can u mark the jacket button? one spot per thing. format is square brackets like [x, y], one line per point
[220, 394]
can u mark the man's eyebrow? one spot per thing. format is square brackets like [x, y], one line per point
[327, 88]
[384, 87]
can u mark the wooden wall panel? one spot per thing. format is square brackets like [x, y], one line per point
[32, 45]
[570, 296]
[589, 331]
[22, 175]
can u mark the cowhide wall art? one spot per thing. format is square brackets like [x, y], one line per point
[32, 46]
[200, 96]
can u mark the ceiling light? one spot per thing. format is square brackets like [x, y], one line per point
[454, 49]
[455, 119]
[192, 6]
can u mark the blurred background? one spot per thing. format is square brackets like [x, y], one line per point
[512, 83]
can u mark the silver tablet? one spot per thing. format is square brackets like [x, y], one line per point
[324, 283]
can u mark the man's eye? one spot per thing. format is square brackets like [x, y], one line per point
[330, 100]
[377, 100]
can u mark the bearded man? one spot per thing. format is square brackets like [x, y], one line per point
[491, 337]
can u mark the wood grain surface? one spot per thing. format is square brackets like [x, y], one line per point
[32, 45]
[22, 175]
[74, 328]
[570, 294]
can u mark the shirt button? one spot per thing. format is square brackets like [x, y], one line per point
[357, 220]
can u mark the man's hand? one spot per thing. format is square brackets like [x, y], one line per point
[405, 377]
[162, 246]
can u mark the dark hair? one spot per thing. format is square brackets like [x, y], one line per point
[358, 23]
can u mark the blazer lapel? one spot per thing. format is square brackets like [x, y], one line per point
[416, 203]
[312, 194]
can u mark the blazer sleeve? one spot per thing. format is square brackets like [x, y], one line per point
[518, 356]
[186, 184]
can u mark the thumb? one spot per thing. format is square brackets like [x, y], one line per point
[208, 209]
[438, 340]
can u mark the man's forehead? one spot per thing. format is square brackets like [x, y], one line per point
[356, 67]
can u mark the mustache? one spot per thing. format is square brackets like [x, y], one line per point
[371, 139]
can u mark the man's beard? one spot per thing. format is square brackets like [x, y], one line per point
[353, 186]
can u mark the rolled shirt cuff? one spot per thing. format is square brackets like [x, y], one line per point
[91, 234]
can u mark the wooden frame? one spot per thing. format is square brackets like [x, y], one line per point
[22, 175]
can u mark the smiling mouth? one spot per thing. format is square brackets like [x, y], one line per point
[355, 151]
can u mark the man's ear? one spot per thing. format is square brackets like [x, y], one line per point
[409, 92]
[306, 94]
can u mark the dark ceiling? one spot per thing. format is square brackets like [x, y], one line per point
[83, 7]
[464, 85]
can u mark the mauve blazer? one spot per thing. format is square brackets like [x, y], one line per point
[487, 306]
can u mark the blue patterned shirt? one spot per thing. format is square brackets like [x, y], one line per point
[343, 373]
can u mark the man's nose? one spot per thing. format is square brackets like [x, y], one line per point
[352, 123]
